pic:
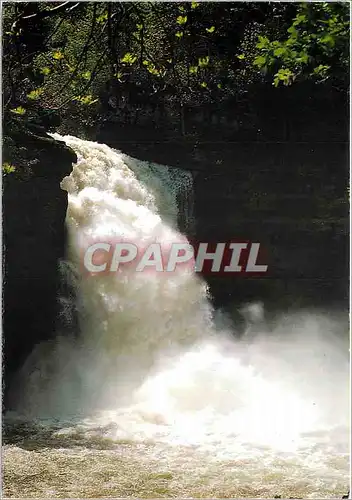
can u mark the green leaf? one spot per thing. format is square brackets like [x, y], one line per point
[301, 18]
[321, 70]
[284, 75]
[35, 94]
[101, 19]
[203, 61]
[327, 39]
[280, 51]
[303, 58]
[87, 75]
[259, 61]
[181, 20]
[193, 70]
[211, 29]
[8, 168]
[292, 30]
[19, 111]
[45, 71]
[241, 57]
[219, 86]
[129, 59]
[204, 85]
[263, 42]
[194, 5]
[87, 100]
[179, 34]
[153, 70]
[58, 55]
[139, 26]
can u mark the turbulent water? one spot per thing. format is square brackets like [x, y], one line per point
[155, 398]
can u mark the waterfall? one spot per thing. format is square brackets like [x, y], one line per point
[129, 321]
[172, 189]
[152, 365]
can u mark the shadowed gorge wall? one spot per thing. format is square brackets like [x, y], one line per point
[270, 166]
[34, 211]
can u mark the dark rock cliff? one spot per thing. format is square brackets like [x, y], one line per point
[269, 167]
[34, 211]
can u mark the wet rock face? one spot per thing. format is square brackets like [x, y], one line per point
[34, 235]
[299, 218]
[272, 169]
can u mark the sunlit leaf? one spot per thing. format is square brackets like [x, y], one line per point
[101, 19]
[203, 61]
[58, 55]
[87, 75]
[45, 71]
[18, 111]
[259, 61]
[327, 39]
[35, 94]
[181, 20]
[263, 42]
[8, 168]
[129, 58]
[321, 69]
[88, 100]
[280, 51]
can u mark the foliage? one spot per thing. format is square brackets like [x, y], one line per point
[69, 58]
[19, 110]
[8, 168]
[314, 46]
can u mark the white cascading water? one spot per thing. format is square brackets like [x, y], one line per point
[152, 367]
